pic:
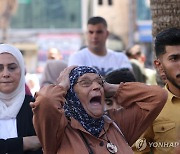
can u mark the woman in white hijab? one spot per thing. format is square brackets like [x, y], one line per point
[17, 135]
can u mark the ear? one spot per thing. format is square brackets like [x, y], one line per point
[159, 67]
[157, 63]
[107, 34]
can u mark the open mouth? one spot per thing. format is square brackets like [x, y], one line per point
[95, 100]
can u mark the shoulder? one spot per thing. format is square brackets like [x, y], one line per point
[112, 52]
[81, 52]
[117, 55]
[78, 58]
[56, 64]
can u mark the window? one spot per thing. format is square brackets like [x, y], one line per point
[143, 10]
[34, 14]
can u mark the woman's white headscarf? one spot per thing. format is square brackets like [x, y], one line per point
[11, 103]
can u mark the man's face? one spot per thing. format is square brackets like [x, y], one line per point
[54, 53]
[170, 66]
[91, 95]
[10, 73]
[96, 37]
[136, 53]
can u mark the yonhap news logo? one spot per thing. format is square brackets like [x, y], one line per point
[142, 143]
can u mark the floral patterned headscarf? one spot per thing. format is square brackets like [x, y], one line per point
[73, 107]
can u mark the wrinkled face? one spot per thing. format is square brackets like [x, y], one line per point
[169, 64]
[96, 37]
[10, 73]
[89, 90]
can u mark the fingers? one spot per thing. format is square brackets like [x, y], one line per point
[63, 79]
[70, 68]
[32, 105]
[110, 89]
[66, 71]
[31, 143]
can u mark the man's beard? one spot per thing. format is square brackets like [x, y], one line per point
[172, 80]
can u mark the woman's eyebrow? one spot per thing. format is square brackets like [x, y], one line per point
[12, 64]
[9, 64]
[87, 78]
[84, 78]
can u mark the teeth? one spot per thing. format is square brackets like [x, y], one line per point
[95, 102]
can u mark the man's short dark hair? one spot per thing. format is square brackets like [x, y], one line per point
[128, 52]
[120, 75]
[168, 37]
[97, 20]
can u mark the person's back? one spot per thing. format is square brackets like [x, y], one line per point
[134, 54]
[96, 54]
[116, 77]
[138, 70]
[51, 72]
[120, 75]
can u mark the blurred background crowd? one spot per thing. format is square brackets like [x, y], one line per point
[36, 26]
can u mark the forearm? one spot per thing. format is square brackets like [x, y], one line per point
[49, 115]
[142, 104]
[145, 96]
[31, 143]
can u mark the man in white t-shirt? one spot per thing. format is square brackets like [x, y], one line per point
[96, 54]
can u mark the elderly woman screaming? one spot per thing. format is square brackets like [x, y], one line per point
[69, 117]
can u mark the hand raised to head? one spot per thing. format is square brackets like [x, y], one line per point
[110, 89]
[63, 79]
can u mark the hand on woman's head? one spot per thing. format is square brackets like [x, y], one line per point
[63, 79]
[110, 89]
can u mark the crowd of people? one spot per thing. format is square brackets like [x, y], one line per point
[99, 101]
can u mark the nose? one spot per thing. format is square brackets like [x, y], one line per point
[94, 35]
[6, 73]
[96, 85]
